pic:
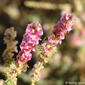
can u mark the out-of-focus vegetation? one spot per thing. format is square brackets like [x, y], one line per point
[68, 64]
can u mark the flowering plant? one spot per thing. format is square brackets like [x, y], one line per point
[29, 43]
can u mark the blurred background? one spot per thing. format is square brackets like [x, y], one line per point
[68, 64]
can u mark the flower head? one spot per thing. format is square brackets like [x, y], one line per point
[47, 47]
[33, 39]
[34, 29]
[70, 24]
[65, 24]
[53, 40]
[26, 46]
[24, 56]
[60, 30]
[30, 38]
[68, 21]
[65, 18]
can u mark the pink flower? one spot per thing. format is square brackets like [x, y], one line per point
[53, 40]
[31, 30]
[34, 29]
[34, 39]
[47, 46]
[39, 29]
[68, 21]
[65, 18]
[62, 35]
[60, 30]
[23, 57]
[59, 27]
[69, 25]
[26, 55]
[26, 46]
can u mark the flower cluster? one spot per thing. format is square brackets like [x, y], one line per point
[30, 38]
[65, 24]
[60, 29]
